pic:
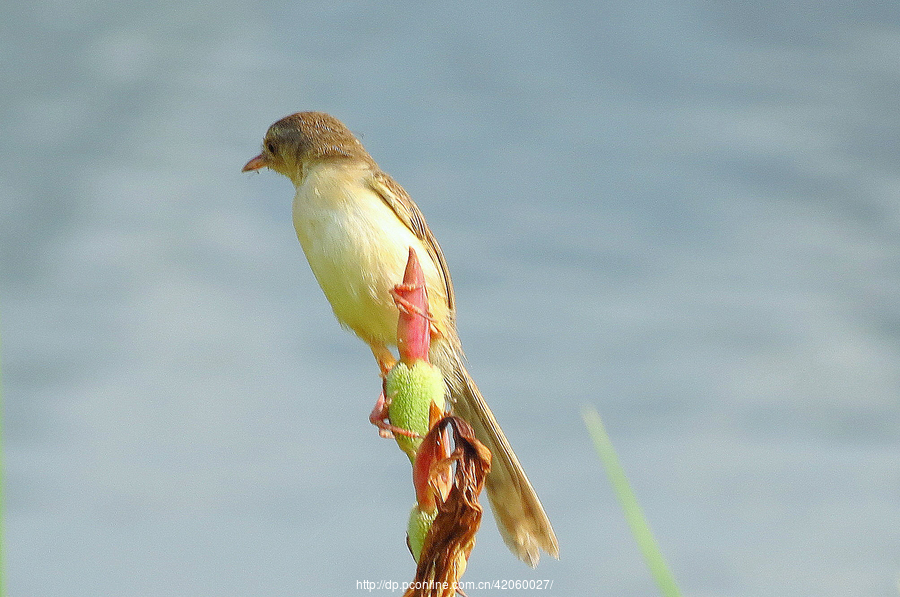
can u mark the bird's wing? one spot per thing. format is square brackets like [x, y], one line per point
[395, 197]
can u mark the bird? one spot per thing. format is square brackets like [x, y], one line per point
[356, 226]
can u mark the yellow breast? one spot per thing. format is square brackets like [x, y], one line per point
[357, 249]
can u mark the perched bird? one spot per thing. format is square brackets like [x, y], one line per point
[356, 226]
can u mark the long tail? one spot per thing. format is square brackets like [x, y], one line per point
[518, 511]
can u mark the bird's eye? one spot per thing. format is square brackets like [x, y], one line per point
[270, 147]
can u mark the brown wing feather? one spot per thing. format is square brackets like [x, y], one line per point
[395, 197]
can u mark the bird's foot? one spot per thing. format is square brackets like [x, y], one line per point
[404, 304]
[381, 419]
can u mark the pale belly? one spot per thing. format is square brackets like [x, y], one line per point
[358, 251]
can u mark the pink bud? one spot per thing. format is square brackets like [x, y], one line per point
[414, 326]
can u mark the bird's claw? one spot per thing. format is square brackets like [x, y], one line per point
[380, 417]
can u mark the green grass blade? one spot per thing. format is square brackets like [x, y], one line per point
[2, 501]
[640, 529]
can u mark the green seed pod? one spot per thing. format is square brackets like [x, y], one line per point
[411, 390]
[418, 527]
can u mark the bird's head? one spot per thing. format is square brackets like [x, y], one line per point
[297, 141]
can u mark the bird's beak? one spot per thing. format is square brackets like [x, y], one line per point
[255, 164]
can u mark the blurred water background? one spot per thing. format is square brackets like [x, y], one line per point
[682, 212]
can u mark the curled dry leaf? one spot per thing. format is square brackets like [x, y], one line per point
[450, 540]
